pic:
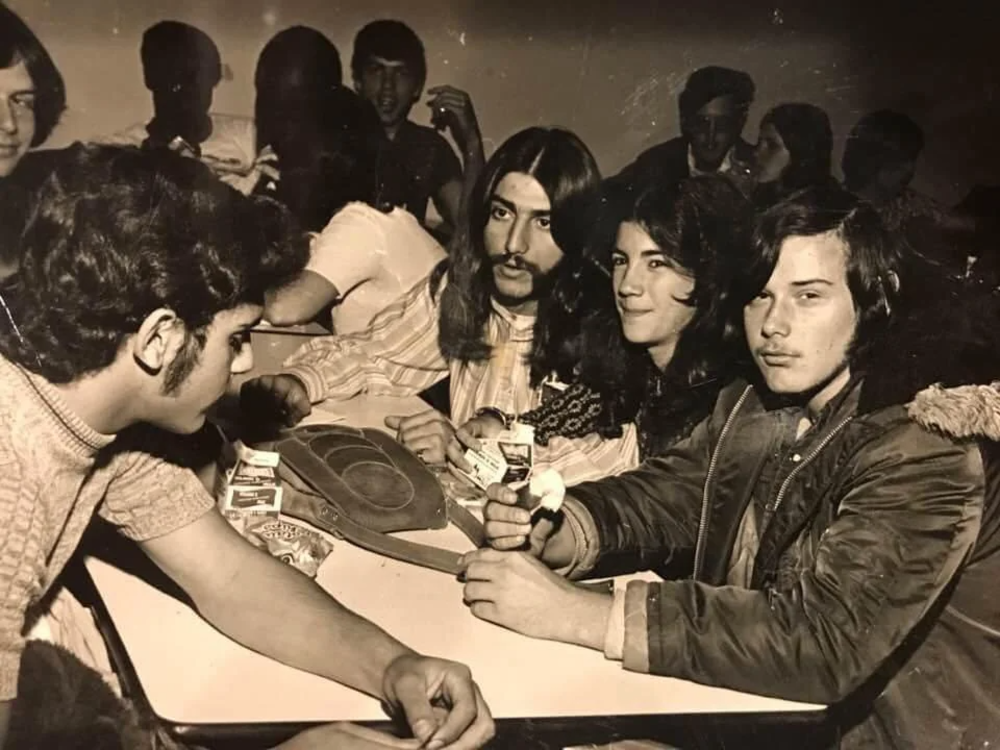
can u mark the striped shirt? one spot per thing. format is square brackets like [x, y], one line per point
[399, 355]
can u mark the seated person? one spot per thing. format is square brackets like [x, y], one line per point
[794, 149]
[879, 162]
[370, 253]
[655, 349]
[713, 111]
[122, 318]
[181, 67]
[823, 534]
[298, 72]
[389, 68]
[32, 98]
[478, 318]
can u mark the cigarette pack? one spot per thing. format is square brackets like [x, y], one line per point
[248, 483]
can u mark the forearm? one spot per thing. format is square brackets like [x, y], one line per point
[585, 621]
[397, 355]
[274, 610]
[300, 300]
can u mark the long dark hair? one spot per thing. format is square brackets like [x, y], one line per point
[568, 173]
[700, 224]
[805, 131]
[19, 44]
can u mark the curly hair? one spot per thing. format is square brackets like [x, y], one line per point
[700, 224]
[19, 44]
[116, 233]
[568, 173]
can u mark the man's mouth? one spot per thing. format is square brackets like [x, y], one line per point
[776, 357]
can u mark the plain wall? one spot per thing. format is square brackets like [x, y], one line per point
[608, 70]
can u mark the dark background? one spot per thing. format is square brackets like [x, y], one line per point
[609, 70]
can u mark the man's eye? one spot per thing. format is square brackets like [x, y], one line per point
[544, 222]
[618, 260]
[238, 340]
[499, 212]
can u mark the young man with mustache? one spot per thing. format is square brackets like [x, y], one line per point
[484, 318]
[828, 534]
[140, 277]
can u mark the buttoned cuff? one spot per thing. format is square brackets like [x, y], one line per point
[635, 644]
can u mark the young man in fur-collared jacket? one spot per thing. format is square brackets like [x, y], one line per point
[830, 533]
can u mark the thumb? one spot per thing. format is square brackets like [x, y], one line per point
[541, 530]
[393, 421]
[411, 695]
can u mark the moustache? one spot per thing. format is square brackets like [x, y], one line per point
[519, 262]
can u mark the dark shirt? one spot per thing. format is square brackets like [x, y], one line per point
[667, 163]
[427, 162]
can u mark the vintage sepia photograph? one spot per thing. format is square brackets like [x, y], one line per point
[276, 277]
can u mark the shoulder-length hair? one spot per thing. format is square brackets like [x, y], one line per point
[805, 131]
[19, 44]
[568, 173]
[873, 259]
[699, 224]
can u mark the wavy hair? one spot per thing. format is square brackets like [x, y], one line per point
[116, 233]
[568, 173]
[699, 224]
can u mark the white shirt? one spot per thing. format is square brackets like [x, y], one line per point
[372, 258]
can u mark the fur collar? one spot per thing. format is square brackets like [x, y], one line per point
[965, 411]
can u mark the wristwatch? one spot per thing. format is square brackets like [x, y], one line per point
[490, 411]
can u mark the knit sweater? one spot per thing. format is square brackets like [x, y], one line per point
[55, 473]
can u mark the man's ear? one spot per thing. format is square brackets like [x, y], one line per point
[159, 338]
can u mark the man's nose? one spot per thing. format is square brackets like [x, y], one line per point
[517, 241]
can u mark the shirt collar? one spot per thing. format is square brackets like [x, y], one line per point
[726, 166]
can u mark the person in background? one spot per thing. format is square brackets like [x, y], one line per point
[181, 67]
[298, 74]
[389, 68]
[656, 342]
[794, 148]
[482, 318]
[879, 162]
[141, 276]
[32, 98]
[371, 252]
[830, 534]
[713, 112]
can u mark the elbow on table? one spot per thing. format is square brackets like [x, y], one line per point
[279, 312]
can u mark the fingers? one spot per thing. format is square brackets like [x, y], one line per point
[410, 693]
[455, 454]
[469, 723]
[467, 435]
[506, 525]
[427, 434]
[279, 398]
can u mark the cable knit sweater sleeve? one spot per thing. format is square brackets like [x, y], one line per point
[150, 495]
[18, 569]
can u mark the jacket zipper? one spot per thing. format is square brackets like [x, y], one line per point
[699, 551]
[771, 510]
